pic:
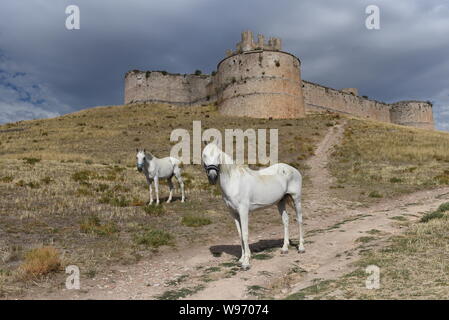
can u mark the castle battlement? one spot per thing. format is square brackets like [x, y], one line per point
[248, 44]
[260, 80]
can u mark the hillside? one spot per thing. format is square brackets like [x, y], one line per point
[71, 183]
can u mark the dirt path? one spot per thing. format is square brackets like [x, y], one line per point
[332, 229]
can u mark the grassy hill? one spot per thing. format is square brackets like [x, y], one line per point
[70, 191]
[71, 182]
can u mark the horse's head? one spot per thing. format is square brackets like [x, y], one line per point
[141, 158]
[212, 160]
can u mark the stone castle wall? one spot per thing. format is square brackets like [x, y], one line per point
[259, 80]
[319, 98]
[413, 113]
[163, 87]
[260, 84]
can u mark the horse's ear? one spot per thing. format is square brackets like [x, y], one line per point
[144, 150]
[137, 150]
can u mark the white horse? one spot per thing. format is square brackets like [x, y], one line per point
[155, 169]
[245, 190]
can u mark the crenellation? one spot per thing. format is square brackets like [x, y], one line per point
[260, 80]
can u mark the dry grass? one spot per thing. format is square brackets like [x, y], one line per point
[71, 182]
[377, 160]
[412, 266]
[39, 262]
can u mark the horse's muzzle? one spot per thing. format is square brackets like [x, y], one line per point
[212, 173]
[139, 168]
[212, 176]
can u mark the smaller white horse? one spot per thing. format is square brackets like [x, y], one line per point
[155, 169]
[245, 190]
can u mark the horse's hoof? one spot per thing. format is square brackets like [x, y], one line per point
[246, 267]
[301, 250]
[284, 251]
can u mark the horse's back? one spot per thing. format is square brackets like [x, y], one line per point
[282, 169]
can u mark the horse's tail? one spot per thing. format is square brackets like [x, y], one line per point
[176, 162]
[289, 200]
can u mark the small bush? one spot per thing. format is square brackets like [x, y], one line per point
[83, 176]
[6, 179]
[116, 201]
[136, 202]
[40, 261]
[83, 192]
[438, 214]
[443, 207]
[46, 180]
[432, 215]
[154, 210]
[31, 161]
[395, 180]
[102, 187]
[375, 194]
[154, 238]
[191, 220]
[93, 224]
[119, 202]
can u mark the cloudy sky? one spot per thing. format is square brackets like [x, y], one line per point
[47, 70]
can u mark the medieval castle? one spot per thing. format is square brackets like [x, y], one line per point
[260, 80]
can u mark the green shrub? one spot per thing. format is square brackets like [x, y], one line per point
[83, 176]
[47, 180]
[154, 210]
[31, 161]
[432, 215]
[6, 179]
[375, 194]
[92, 224]
[443, 207]
[437, 214]
[154, 238]
[192, 220]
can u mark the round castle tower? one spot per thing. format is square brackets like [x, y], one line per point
[259, 80]
[413, 114]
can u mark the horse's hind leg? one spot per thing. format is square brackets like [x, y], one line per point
[297, 204]
[156, 187]
[284, 215]
[170, 186]
[178, 176]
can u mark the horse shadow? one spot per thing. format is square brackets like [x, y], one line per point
[236, 250]
[164, 199]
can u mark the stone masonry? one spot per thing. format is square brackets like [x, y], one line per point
[260, 80]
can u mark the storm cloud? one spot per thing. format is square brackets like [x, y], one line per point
[47, 70]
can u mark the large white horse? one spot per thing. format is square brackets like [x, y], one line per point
[155, 169]
[245, 190]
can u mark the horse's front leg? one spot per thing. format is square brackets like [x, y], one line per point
[156, 187]
[150, 201]
[170, 186]
[244, 219]
[236, 217]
